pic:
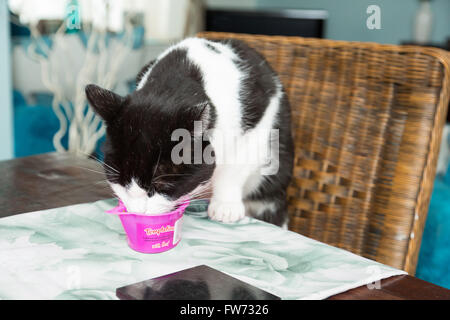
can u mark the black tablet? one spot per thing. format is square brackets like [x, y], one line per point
[198, 283]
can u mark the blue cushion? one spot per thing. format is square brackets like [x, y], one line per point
[434, 256]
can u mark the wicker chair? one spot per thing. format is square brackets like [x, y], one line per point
[367, 123]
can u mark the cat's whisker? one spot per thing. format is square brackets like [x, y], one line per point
[91, 156]
[88, 169]
[201, 197]
[111, 172]
[102, 181]
[108, 166]
[167, 184]
[97, 184]
[172, 174]
[192, 202]
[157, 163]
[200, 193]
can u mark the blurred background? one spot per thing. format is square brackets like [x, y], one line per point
[50, 49]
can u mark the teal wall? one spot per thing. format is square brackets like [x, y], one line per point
[6, 135]
[347, 18]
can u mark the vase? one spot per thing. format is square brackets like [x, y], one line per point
[423, 23]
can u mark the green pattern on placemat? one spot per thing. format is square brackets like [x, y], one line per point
[80, 252]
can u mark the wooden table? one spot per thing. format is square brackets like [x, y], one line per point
[55, 180]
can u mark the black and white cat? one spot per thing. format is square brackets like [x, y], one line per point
[234, 92]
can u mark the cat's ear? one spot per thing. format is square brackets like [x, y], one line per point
[207, 115]
[104, 102]
[204, 115]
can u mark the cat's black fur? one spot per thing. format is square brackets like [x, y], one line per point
[139, 126]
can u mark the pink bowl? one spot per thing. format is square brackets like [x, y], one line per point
[151, 233]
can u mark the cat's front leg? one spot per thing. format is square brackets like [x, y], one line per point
[226, 204]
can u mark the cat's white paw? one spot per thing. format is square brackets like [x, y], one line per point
[226, 211]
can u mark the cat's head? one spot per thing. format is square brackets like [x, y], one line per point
[139, 151]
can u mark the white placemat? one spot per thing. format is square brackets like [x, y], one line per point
[79, 252]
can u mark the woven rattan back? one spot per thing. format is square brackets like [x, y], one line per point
[367, 122]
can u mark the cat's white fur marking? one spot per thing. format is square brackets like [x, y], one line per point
[218, 70]
[230, 182]
[136, 199]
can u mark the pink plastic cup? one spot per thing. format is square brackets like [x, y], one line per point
[151, 233]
